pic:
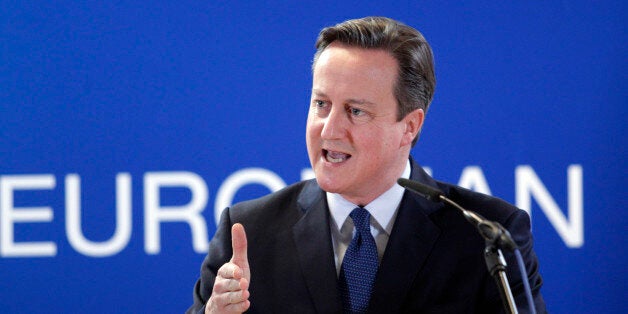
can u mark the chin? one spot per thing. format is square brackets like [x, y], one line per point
[327, 184]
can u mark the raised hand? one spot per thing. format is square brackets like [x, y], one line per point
[231, 287]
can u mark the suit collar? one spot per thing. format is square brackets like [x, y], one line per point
[383, 208]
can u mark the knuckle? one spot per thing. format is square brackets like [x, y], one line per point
[219, 285]
[225, 271]
[234, 297]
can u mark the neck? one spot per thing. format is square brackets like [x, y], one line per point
[371, 193]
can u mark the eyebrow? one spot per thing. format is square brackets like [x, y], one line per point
[357, 101]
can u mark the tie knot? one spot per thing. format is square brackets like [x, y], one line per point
[361, 219]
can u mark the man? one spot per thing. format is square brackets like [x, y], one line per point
[308, 249]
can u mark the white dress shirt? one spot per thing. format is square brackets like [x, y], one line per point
[383, 211]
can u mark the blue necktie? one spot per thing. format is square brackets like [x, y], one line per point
[359, 265]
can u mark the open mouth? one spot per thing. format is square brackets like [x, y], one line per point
[335, 157]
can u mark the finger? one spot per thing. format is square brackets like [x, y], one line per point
[238, 307]
[222, 285]
[235, 297]
[239, 245]
[229, 302]
[230, 271]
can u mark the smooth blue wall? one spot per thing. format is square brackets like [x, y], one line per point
[202, 91]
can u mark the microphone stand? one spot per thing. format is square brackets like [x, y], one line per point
[495, 237]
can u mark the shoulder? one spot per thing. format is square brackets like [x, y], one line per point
[287, 194]
[282, 203]
[489, 207]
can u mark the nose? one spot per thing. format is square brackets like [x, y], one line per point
[335, 124]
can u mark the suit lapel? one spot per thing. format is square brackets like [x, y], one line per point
[312, 238]
[412, 239]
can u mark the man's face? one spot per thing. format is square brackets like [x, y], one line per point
[356, 146]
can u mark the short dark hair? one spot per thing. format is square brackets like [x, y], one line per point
[416, 81]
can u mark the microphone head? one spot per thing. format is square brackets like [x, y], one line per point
[424, 190]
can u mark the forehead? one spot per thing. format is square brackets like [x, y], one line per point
[347, 68]
[354, 53]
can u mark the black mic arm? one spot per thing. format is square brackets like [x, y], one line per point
[491, 231]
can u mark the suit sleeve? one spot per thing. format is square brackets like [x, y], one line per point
[220, 252]
[518, 224]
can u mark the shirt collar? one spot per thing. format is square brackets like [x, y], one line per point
[382, 209]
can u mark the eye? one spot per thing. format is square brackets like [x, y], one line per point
[320, 107]
[319, 104]
[356, 112]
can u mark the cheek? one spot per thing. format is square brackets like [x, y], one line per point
[308, 131]
[376, 136]
[313, 127]
[311, 133]
[382, 143]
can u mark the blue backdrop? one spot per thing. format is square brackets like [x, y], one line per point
[124, 128]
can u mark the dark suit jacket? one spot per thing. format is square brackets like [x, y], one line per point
[433, 262]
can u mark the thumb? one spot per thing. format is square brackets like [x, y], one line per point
[238, 243]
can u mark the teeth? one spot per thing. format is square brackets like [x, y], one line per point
[335, 157]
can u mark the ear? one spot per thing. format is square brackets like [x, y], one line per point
[413, 123]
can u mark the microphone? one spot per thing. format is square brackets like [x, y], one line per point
[424, 190]
[491, 231]
[495, 236]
